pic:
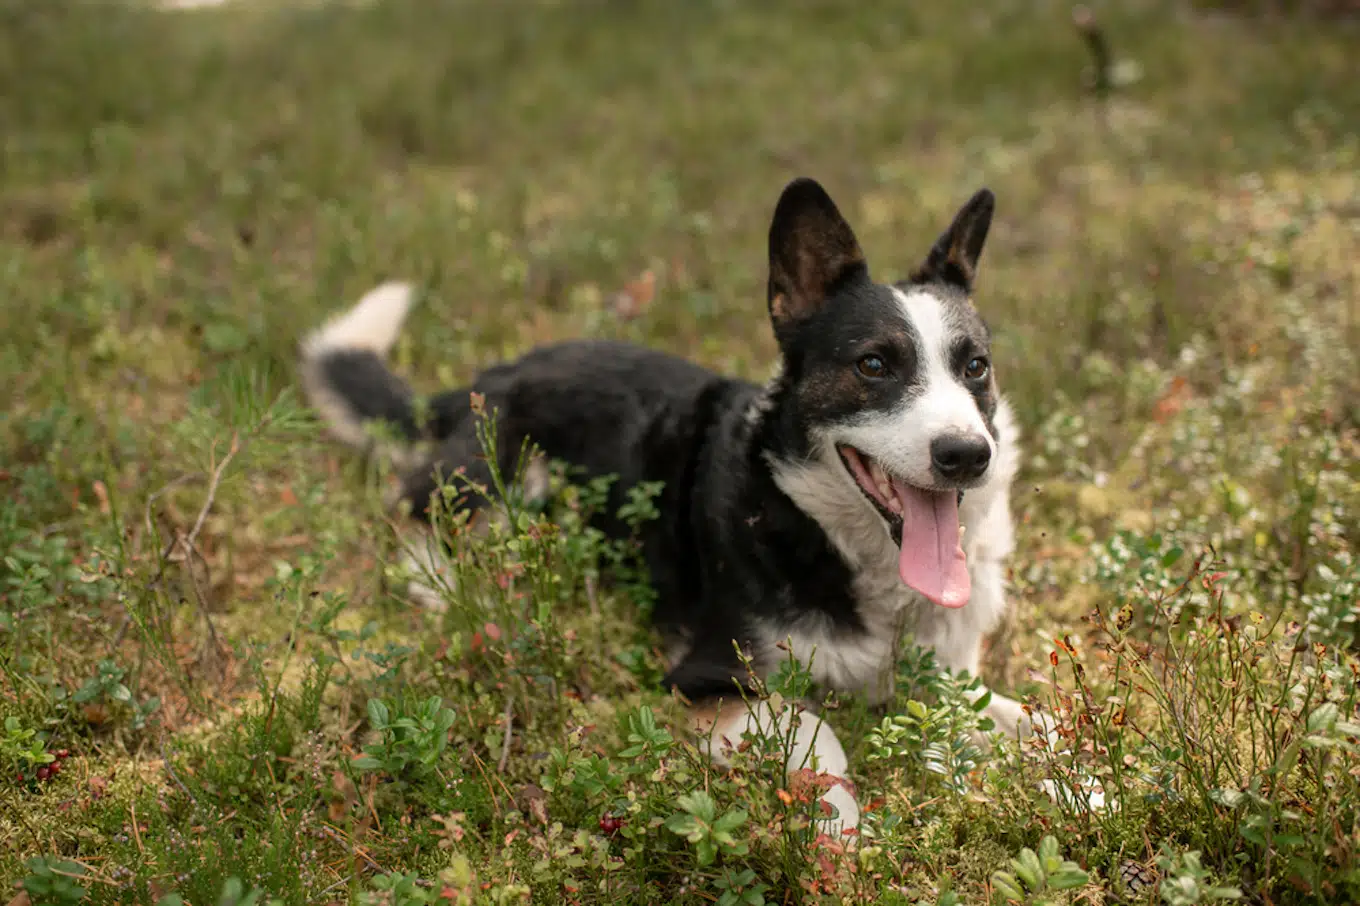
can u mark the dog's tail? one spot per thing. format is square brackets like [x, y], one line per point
[345, 374]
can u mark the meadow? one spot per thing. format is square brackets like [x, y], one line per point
[213, 689]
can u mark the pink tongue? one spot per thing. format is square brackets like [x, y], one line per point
[932, 560]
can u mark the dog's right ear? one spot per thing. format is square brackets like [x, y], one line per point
[954, 257]
[812, 251]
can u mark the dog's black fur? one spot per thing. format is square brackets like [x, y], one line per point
[732, 554]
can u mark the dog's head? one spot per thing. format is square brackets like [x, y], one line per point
[892, 382]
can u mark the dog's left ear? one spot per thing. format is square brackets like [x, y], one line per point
[954, 257]
[812, 251]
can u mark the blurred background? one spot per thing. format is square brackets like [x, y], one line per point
[1172, 278]
[231, 172]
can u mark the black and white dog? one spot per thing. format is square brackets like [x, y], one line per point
[862, 492]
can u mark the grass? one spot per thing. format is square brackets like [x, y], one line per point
[200, 613]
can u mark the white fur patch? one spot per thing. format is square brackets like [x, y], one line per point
[372, 325]
[755, 412]
[946, 406]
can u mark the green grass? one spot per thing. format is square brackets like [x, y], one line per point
[254, 709]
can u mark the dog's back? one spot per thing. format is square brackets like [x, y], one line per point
[605, 408]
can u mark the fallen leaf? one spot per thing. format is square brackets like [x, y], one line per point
[346, 796]
[635, 297]
[101, 493]
[1173, 400]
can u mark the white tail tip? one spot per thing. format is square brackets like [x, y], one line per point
[372, 325]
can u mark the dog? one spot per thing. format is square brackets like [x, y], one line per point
[861, 492]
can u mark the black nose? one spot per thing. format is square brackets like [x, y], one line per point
[960, 457]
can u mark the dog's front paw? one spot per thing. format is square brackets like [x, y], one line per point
[428, 577]
[844, 815]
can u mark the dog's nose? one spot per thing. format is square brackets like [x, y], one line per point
[960, 457]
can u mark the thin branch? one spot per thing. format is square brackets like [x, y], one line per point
[136, 832]
[509, 726]
[160, 492]
[592, 598]
[188, 544]
[232, 450]
[169, 769]
[1099, 46]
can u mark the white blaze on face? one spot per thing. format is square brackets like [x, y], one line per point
[937, 405]
[944, 406]
[898, 443]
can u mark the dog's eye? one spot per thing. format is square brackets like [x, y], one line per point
[871, 366]
[976, 369]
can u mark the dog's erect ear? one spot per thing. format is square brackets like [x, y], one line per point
[812, 250]
[954, 257]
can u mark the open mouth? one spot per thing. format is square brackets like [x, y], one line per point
[923, 523]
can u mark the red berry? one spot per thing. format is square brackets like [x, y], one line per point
[54, 768]
[19, 777]
[44, 772]
[63, 753]
[610, 824]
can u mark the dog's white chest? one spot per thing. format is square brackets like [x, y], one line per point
[860, 661]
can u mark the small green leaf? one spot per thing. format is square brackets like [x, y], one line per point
[1028, 869]
[1251, 830]
[1288, 758]
[1323, 718]
[687, 826]
[730, 821]
[699, 804]
[377, 713]
[1227, 797]
[1068, 876]
[737, 848]
[1007, 885]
